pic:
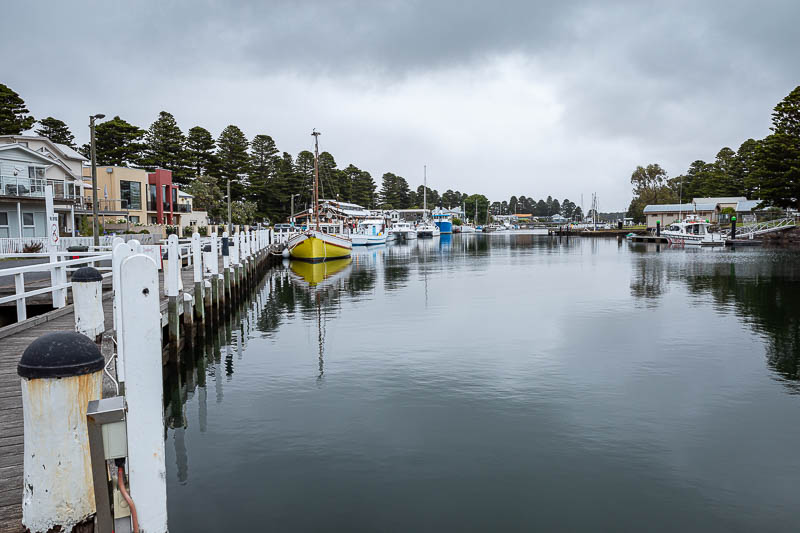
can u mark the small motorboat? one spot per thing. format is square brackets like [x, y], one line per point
[692, 231]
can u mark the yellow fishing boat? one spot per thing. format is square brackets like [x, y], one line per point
[314, 245]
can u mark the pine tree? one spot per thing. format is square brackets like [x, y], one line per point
[165, 147]
[234, 161]
[778, 155]
[303, 179]
[14, 117]
[328, 176]
[265, 188]
[200, 155]
[56, 130]
[117, 143]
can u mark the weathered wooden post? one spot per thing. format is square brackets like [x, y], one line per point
[87, 293]
[141, 336]
[207, 293]
[234, 244]
[214, 267]
[197, 265]
[226, 265]
[188, 317]
[61, 372]
[171, 280]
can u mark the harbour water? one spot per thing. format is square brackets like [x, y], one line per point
[503, 382]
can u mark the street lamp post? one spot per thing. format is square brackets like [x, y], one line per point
[95, 222]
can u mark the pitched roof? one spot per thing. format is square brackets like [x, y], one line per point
[21, 147]
[719, 200]
[680, 208]
[747, 205]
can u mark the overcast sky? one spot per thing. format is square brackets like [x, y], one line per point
[525, 97]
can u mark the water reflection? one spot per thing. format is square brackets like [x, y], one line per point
[760, 288]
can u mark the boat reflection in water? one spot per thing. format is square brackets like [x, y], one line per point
[317, 274]
[319, 277]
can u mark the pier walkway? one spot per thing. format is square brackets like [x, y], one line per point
[14, 339]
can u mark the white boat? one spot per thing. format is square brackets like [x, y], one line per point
[427, 229]
[369, 232]
[403, 231]
[465, 228]
[692, 231]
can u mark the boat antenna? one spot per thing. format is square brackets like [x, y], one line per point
[316, 135]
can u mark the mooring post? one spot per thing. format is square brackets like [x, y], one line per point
[87, 293]
[197, 265]
[60, 373]
[226, 265]
[120, 252]
[214, 268]
[188, 317]
[207, 293]
[172, 276]
[144, 392]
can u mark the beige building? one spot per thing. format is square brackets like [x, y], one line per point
[121, 193]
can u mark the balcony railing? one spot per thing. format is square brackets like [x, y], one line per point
[183, 208]
[18, 186]
[104, 205]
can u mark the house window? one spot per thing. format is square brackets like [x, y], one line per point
[174, 197]
[4, 224]
[36, 172]
[27, 220]
[152, 206]
[131, 193]
[134, 219]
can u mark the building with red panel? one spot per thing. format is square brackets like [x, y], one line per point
[162, 198]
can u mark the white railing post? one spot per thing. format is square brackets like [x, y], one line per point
[122, 251]
[19, 287]
[144, 391]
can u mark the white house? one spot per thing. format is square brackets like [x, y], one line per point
[27, 164]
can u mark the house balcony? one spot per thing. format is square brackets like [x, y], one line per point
[20, 187]
[183, 208]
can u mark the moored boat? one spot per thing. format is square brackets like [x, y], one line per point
[426, 229]
[692, 231]
[314, 245]
[370, 231]
[403, 231]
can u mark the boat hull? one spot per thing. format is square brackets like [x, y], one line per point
[445, 226]
[315, 246]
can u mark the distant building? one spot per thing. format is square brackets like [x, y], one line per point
[721, 202]
[669, 213]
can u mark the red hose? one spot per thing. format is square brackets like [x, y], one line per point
[124, 491]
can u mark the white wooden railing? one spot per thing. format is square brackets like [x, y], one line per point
[242, 245]
[58, 278]
[15, 245]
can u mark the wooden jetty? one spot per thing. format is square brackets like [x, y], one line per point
[15, 338]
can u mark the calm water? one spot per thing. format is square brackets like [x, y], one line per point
[499, 383]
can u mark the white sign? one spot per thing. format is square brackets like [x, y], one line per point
[154, 252]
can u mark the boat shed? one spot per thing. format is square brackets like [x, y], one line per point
[669, 213]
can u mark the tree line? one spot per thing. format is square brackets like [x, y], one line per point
[767, 169]
[262, 178]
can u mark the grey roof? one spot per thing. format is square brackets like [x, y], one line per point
[680, 208]
[71, 152]
[719, 200]
[747, 205]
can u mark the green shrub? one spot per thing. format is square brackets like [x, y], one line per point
[145, 231]
[202, 230]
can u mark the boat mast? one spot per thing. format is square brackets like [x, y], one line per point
[316, 135]
[425, 192]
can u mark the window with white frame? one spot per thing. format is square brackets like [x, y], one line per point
[4, 231]
[28, 220]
